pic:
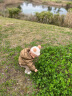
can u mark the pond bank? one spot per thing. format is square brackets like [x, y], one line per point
[29, 17]
[43, 2]
[52, 3]
[10, 2]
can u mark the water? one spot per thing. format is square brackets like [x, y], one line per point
[30, 8]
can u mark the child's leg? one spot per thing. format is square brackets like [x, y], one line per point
[27, 70]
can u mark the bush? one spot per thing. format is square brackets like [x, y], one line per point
[68, 5]
[70, 10]
[58, 19]
[44, 17]
[49, 18]
[68, 19]
[54, 72]
[13, 12]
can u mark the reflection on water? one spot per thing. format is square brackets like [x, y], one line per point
[29, 8]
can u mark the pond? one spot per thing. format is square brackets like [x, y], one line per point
[30, 8]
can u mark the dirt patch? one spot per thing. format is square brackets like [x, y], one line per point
[23, 85]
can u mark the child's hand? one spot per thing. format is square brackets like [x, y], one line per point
[36, 70]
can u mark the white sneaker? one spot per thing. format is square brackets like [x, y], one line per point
[29, 72]
[26, 71]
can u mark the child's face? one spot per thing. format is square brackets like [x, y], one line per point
[33, 55]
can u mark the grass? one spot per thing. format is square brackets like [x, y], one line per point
[16, 35]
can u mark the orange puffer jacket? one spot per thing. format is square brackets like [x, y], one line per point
[25, 59]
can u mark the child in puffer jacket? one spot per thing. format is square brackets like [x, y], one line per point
[27, 56]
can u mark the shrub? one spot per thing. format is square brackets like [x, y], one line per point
[49, 18]
[58, 19]
[68, 19]
[70, 10]
[44, 17]
[68, 5]
[54, 72]
[14, 12]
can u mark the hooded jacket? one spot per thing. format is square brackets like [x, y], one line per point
[25, 59]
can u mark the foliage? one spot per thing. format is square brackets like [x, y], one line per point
[58, 1]
[70, 10]
[68, 5]
[58, 19]
[54, 71]
[49, 18]
[13, 12]
[68, 19]
[45, 17]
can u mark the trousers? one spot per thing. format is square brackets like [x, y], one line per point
[26, 68]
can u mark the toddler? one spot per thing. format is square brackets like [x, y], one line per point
[26, 58]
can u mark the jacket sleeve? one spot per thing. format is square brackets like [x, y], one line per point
[31, 66]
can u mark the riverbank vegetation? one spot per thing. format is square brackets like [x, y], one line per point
[14, 12]
[49, 18]
[56, 19]
[59, 3]
[54, 64]
[43, 17]
[68, 19]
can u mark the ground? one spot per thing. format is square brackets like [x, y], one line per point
[14, 36]
[58, 3]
